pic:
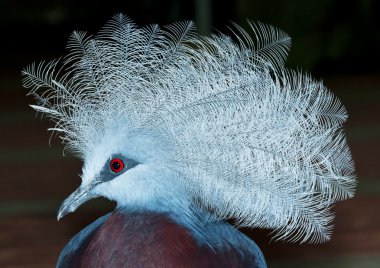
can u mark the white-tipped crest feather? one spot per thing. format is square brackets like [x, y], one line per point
[249, 138]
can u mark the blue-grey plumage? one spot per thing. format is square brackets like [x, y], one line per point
[185, 131]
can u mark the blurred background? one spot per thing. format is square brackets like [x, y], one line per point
[338, 41]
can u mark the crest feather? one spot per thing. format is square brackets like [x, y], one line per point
[249, 138]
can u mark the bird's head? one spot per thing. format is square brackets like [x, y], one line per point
[164, 118]
[122, 170]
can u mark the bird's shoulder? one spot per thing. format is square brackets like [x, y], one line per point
[222, 237]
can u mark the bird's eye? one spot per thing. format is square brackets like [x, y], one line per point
[116, 165]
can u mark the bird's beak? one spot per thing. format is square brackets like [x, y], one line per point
[77, 198]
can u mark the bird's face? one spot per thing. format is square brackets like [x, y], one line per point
[119, 175]
[114, 168]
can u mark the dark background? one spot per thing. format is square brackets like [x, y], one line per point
[338, 41]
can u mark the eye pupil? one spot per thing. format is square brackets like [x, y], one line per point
[117, 165]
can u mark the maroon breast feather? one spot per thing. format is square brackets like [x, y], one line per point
[151, 240]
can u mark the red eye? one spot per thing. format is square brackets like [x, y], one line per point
[117, 165]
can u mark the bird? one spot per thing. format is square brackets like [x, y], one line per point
[194, 137]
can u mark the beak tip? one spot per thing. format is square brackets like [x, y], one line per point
[60, 215]
[63, 211]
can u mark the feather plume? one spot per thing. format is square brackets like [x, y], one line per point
[250, 139]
